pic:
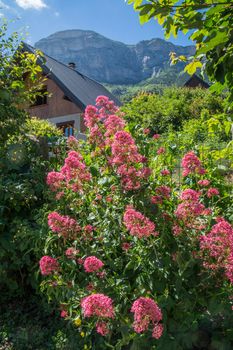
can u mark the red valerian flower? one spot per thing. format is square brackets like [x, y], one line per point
[157, 331]
[48, 265]
[71, 253]
[161, 150]
[165, 172]
[217, 246]
[137, 224]
[191, 164]
[99, 305]
[55, 180]
[92, 264]
[64, 313]
[65, 226]
[146, 311]
[212, 192]
[204, 183]
[102, 328]
[190, 195]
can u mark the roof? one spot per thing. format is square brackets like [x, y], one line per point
[196, 81]
[78, 87]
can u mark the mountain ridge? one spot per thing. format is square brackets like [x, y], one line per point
[110, 61]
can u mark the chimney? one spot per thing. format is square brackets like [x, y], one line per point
[72, 65]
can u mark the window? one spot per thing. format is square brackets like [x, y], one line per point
[41, 98]
[67, 128]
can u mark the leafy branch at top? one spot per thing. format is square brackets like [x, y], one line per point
[209, 25]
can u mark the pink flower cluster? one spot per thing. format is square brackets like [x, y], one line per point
[190, 195]
[106, 106]
[124, 149]
[98, 305]
[55, 181]
[189, 209]
[48, 265]
[102, 328]
[217, 248]
[92, 264]
[72, 142]
[63, 225]
[107, 129]
[126, 157]
[146, 311]
[71, 253]
[204, 182]
[113, 124]
[162, 192]
[64, 314]
[102, 121]
[165, 172]
[73, 174]
[75, 171]
[212, 192]
[161, 150]
[191, 164]
[138, 224]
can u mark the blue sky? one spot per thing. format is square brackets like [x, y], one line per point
[111, 18]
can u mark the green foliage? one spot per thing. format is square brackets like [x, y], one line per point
[169, 110]
[23, 163]
[22, 194]
[163, 78]
[38, 127]
[32, 324]
[19, 73]
[209, 24]
[125, 93]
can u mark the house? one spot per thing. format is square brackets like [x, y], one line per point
[195, 81]
[68, 94]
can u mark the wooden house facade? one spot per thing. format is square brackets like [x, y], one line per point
[68, 92]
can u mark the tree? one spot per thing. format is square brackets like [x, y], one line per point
[22, 165]
[209, 23]
[19, 82]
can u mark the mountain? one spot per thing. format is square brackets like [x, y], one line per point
[110, 61]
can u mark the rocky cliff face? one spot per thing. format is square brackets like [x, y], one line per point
[110, 61]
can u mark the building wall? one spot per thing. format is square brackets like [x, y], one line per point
[57, 109]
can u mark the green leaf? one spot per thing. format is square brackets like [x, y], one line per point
[94, 171]
[137, 3]
[4, 95]
[219, 38]
[192, 67]
[145, 9]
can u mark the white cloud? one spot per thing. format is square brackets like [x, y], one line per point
[57, 14]
[3, 5]
[1, 15]
[31, 4]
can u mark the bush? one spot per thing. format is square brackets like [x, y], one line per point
[22, 195]
[136, 257]
[23, 163]
[29, 323]
[172, 108]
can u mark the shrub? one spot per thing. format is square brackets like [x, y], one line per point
[22, 195]
[23, 163]
[172, 108]
[138, 251]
